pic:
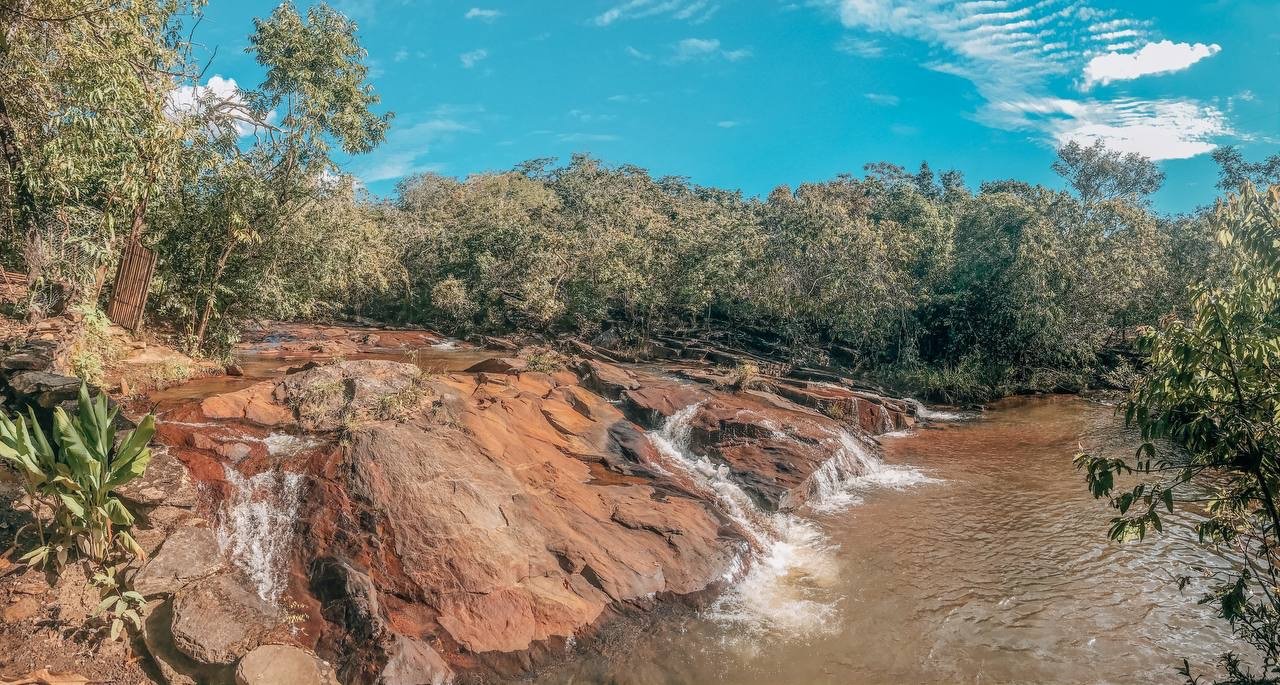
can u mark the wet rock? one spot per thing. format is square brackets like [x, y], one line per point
[283, 665]
[188, 554]
[234, 370]
[175, 667]
[220, 619]
[499, 365]
[254, 404]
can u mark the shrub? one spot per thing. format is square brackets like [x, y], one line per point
[94, 348]
[76, 481]
[75, 478]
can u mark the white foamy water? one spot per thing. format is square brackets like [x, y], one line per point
[853, 470]
[781, 589]
[927, 414]
[787, 587]
[256, 527]
[285, 445]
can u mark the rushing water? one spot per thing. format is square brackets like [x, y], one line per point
[256, 527]
[972, 554]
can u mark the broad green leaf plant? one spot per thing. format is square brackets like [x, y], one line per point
[1208, 409]
[72, 480]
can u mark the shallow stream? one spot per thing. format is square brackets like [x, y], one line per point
[973, 554]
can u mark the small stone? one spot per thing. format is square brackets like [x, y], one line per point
[21, 609]
[283, 665]
[234, 370]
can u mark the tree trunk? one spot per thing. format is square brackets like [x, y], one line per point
[212, 296]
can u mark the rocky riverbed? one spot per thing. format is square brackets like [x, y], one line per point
[389, 506]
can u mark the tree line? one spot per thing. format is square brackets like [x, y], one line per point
[911, 276]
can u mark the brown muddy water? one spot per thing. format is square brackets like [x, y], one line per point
[972, 554]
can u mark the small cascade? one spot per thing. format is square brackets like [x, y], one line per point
[784, 588]
[926, 414]
[256, 527]
[787, 587]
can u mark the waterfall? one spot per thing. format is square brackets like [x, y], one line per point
[783, 589]
[789, 586]
[256, 527]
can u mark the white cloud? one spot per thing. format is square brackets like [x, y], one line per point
[690, 11]
[470, 59]
[705, 48]
[859, 47]
[218, 94]
[1022, 55]
[401, 55]
[1153, 58]
[482, 14]
[638, 54]
[1160, 129]
[407, 147]
[886, 99]
[728, 123]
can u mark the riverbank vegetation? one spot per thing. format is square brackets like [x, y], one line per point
[1209, 415]
[914, 277]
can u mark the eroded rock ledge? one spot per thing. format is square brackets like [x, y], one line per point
[466, 526]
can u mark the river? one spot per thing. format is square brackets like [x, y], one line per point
[974, 555]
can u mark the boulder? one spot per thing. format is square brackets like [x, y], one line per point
[165, 482]
[283, 665]
[606, 379]
[411, 662]
[499, 365]
[327, 397]
[220, 619]
[188, 554]
[44, 388]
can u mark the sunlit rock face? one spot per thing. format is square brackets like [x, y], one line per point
[476, 523]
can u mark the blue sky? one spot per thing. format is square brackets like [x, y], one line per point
[752, 94]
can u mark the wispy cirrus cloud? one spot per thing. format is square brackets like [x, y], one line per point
[406, 149]
[884, 99]
[691, 49]
[482, 14]
[691, 11]
[472, 58]
[860, 47]
[1023, 56]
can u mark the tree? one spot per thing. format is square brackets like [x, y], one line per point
[84, 131]
[1234, 170]
[316, 87]
[1098, 174]
[1208, 410]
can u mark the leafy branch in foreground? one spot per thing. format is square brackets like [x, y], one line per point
[74, 479]
[1213, 392]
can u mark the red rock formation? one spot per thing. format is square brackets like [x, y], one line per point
[498, 514]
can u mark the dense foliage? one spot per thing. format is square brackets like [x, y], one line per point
[964, 294]
[915, 277]
[1209, 413]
